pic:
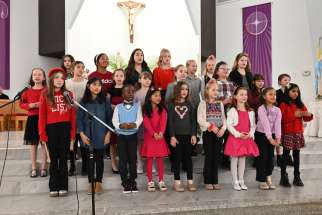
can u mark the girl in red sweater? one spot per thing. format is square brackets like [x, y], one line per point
[163, 75]
[30, 102]
[57, 128]
[294, 113]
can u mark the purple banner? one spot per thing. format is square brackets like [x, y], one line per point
[257, 39]
[5, 44]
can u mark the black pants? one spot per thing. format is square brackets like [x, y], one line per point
[98, 160]
[265, 160]
[212, 148]
[182, 153]
[58, 147]
[127, 146]
[296, 160]
[72, 154]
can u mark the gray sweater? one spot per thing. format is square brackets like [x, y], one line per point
[181, 119]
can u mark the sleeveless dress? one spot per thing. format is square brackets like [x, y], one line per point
[237, 147]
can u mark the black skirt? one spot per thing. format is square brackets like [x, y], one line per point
[31, 136]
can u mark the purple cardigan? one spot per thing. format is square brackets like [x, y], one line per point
[269, 121]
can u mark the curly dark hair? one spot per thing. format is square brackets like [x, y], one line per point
[147, 107]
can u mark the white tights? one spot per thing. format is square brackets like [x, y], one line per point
[237, 166]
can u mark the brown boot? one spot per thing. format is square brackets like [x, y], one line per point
[89, 190]
[98, 188]
[191, 187]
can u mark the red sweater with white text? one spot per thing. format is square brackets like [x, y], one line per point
[60, 112]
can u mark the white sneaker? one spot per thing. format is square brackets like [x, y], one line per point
[237, 186]
[63, 193]
[139, 170]
[242, 185]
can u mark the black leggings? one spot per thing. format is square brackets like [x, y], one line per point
[98, 159]
[296, 158]
[265, 160]
[182, 153]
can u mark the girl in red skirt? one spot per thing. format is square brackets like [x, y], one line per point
[294, 113]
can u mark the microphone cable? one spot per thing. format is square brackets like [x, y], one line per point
[7, 144]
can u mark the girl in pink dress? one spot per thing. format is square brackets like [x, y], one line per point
[240, 143]
[154, 146]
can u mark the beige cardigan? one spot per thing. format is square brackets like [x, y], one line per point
[232, 120]
[202, 118]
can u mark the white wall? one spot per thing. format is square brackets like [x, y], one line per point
[24, 44]
[291, 39]
[162, 24]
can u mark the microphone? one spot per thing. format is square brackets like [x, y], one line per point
[69, 99]
[20, 92]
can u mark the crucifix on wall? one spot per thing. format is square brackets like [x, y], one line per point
[132, 8]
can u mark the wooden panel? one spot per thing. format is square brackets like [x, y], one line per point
[51, 28]
[208, 28]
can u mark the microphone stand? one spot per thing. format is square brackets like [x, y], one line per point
[91, 116]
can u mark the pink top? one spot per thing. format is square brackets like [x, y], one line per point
[157, 123]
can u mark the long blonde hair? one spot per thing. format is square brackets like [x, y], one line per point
[162, 53]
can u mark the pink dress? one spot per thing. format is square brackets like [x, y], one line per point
[237, 147]
[157, 123]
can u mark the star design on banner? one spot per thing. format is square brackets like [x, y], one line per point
[256, 23]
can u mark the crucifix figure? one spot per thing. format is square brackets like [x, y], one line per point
[132, 7]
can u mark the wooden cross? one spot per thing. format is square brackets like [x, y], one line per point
[132, 8]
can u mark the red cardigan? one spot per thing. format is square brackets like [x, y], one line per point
[290, 123]
[163, 77]
[30, 96]
[59, 113]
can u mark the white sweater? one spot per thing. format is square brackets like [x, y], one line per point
[232, 120]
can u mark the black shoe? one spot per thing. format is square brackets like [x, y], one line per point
[297, 181]
[284, 181]
[115, 171]
[126, 188]
[290, 161]
[84, 173]
[134, 188]
[71, 172]
[279, 160]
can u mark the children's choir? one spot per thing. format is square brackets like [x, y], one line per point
[163, 113]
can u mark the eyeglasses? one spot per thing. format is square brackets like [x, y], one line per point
[226, 69]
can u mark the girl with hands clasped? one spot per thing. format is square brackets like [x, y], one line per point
[267, 136]
[182, 130]
[154, 146]
[294, 113]
[240, 143]
[212, 121]
[94, 101]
